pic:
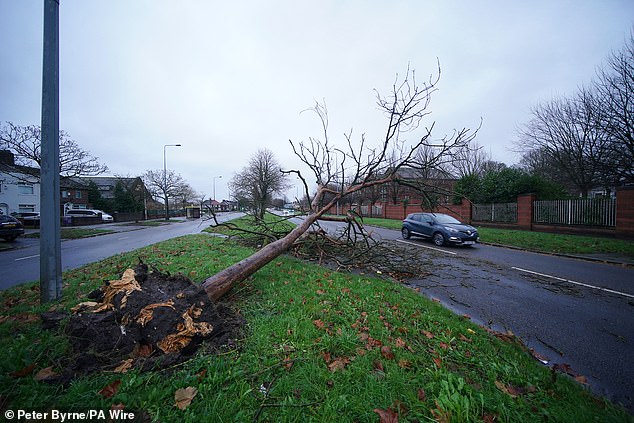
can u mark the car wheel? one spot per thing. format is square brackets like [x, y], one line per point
[439, 239]
[406, 234]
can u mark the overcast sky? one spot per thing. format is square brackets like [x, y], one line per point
[227, 78]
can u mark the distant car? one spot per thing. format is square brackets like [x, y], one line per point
[28, 218]
[105, 217]
[10, 227]
[440, 228]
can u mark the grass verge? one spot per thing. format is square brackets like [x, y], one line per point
[76, 233]
[318, 346]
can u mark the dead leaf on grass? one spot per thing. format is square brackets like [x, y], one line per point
[508, 389]
[184, 397]
[46, 373]
[110, 390]
[338, 363]
[387, 353]
[25, 371]
[386, 416]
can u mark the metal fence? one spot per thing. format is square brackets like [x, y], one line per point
[582, 211]
[500, 212]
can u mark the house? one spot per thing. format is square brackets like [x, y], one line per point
[19, 186]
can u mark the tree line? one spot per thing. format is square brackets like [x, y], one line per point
[586, 140]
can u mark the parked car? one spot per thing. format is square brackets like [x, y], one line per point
[10, 227]
[440, 228]
[28, 218]
[105, 217]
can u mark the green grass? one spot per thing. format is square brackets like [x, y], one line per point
[538, 241]
[557, 243]
[329, 346]
[76, 233]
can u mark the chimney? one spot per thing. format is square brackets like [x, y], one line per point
[6, 157]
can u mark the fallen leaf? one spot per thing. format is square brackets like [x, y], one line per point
[387, 353]
[338, 363]
[421, 394]
[25, 371]
[400, 343]
[386, 416]
[437, 361]
[508, 389]
[428, 334]
[184, 397]
[46, 373]
[378, 366]
[404, 364]
[201, 375]
[110, 390]
[319, 324]
[464, 338]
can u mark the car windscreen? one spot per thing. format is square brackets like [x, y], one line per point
[446, 219]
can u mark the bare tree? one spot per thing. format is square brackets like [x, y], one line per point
[341, 172]
[165, 185]
[615, 103]
[25, 142]
[568, 132]
[257, 183]
[470, 160]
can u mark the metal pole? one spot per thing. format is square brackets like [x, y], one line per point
[50, 247]
[216, 177]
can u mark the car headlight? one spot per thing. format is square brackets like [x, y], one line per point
[452, 230]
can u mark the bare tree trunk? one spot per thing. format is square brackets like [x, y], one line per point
[217, 285]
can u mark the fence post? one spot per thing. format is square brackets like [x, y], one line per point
[465, 211]
[525, 211]
[625, 211]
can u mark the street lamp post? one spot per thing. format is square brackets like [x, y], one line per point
[165, 178]
[216, 177]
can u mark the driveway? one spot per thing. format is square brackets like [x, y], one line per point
[570, 311]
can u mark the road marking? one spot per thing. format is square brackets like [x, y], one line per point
[573, 282]
[427, 246]
[28, 257]
[123, 237]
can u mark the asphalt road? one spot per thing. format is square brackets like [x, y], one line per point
[22, 263]
[570, 311]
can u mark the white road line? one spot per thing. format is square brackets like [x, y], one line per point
[28, 257]
[123, 237]
[427, 246]
[573, 282]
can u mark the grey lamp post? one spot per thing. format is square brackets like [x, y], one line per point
[165, 178]
[216, 177]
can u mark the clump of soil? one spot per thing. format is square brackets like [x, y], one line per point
[146, 320]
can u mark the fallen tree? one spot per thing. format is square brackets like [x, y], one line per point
[342, 172]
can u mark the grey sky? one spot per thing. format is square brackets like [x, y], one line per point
[226, 78]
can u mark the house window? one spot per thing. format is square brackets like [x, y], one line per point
[77, 194]
[25, 188]
[65, 194]
[26, 208]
